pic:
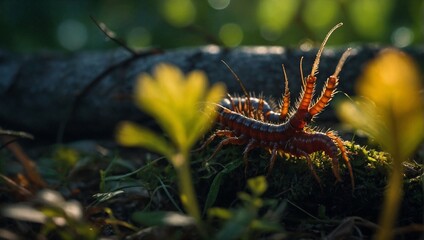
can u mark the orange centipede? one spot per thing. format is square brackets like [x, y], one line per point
[252, 122]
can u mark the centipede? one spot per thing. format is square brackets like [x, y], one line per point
[251, 121]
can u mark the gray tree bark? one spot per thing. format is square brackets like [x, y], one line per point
[90, 92]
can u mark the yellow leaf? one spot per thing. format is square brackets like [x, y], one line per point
[218, 212]
[160, 97]
[132, 135]
[392, 82]
[207, 113]
[257, 185]
[195, 88]
[393, 114]
[360, 113]
[68, 157]
[178, 102]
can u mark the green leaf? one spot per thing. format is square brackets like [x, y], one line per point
[103, 197]
[235, 227]
[266, 226]
[213, 191]
[216, 184]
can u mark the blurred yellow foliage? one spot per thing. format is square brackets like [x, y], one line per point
[257, 185]
[66, 157]
[182, 106]
[185, 108]
[131, 134]
[392, 112]
[391, 109]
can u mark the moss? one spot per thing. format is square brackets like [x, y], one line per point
[292, 180]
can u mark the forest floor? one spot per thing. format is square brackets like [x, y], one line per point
[97, 189]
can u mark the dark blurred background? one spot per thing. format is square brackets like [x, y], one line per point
[29, 26]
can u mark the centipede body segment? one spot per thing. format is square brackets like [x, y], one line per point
[252, 122]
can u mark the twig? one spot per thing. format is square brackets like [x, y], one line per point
[209, 38]
[111, 35]
[23, 192]
[15, 134]
[28, 164]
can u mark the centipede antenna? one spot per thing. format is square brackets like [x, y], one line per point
[341, 62]
[286, 97]
[286, 80]
[301, 72]
[318, 56]
[241, 84]
[237, 78]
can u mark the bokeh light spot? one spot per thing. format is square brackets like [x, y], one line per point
[274, 16]
[72, 34]
[370, 17]
[231, 34]
[306, 45]
[179, 13]
[219, 4]
[319, 14]
[269, 35]
[402, 37]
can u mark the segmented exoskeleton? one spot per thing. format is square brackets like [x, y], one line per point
[252, 122]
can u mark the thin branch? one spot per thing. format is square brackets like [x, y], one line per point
[111, 35]
[16, 134]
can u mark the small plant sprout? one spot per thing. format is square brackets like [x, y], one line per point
[247, 221]
[183, 106]
[391, 111]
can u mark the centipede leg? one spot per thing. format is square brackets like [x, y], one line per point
[219, 133]
[230, 140]
[343, 151]
[310, 165]
[249, 147]
[259, 111]
[335, 168]
[274, 153]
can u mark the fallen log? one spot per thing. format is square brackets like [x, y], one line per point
[86, 94]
